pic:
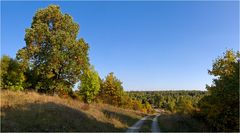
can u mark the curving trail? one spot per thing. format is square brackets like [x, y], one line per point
[137, 125]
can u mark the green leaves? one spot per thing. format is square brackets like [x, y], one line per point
[221, 106]
[224, 66]
[12, 76]
[90, 85]
[112, 90]
[53, 51]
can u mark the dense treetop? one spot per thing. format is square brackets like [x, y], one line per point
[53, 52]
[221, 105]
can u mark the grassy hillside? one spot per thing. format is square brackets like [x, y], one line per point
[30, 111]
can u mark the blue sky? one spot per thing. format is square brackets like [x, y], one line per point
[148, 45]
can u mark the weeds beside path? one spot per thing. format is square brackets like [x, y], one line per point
[180, 123]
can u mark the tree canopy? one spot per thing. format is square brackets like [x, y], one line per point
[90, 85]
[12, 77]
[221, 106]
[112, 90]
[53, 53]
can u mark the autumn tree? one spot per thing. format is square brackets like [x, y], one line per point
[184, 106]
[12, 76]
[111, 90]
[221, 106]
[90, 85]
[148, 108]
[53, 54]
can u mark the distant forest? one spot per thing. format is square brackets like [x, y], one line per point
[169, 100]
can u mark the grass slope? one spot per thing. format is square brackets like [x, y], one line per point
[30, 111]
[180, 123]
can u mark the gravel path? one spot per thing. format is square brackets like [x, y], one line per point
[137, 125]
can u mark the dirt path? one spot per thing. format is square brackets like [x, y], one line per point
[137, 125]
[155, 127]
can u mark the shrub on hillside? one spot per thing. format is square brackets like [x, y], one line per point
[89, 86]
[12, 76]
[111, 91]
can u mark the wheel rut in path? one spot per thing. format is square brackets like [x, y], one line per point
[155, 127]
[137, 126]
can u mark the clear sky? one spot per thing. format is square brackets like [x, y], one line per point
[148, 45]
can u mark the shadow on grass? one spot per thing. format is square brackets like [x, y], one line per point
[128, 120]
[180, 123]
[50, 117]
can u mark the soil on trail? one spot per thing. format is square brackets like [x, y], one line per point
[137, 126]
[155, 127]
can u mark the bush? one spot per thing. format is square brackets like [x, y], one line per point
[12, 76]
[90, 85]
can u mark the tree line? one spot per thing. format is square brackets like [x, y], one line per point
[174, 101]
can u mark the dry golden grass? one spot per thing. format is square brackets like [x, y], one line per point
[30, 111]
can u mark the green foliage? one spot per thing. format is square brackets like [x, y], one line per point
[54, 60]
[12, 77]
[174, 101]
[137, 105]
[53, 55]
[111, 90]
[147, 106]
[90, 85]
[185, 106]
[171, 105]
[221, 106]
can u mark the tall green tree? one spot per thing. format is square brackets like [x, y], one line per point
[90, 85]
[111, 90]
[221, 106]
[53, 53]
[12, 76]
